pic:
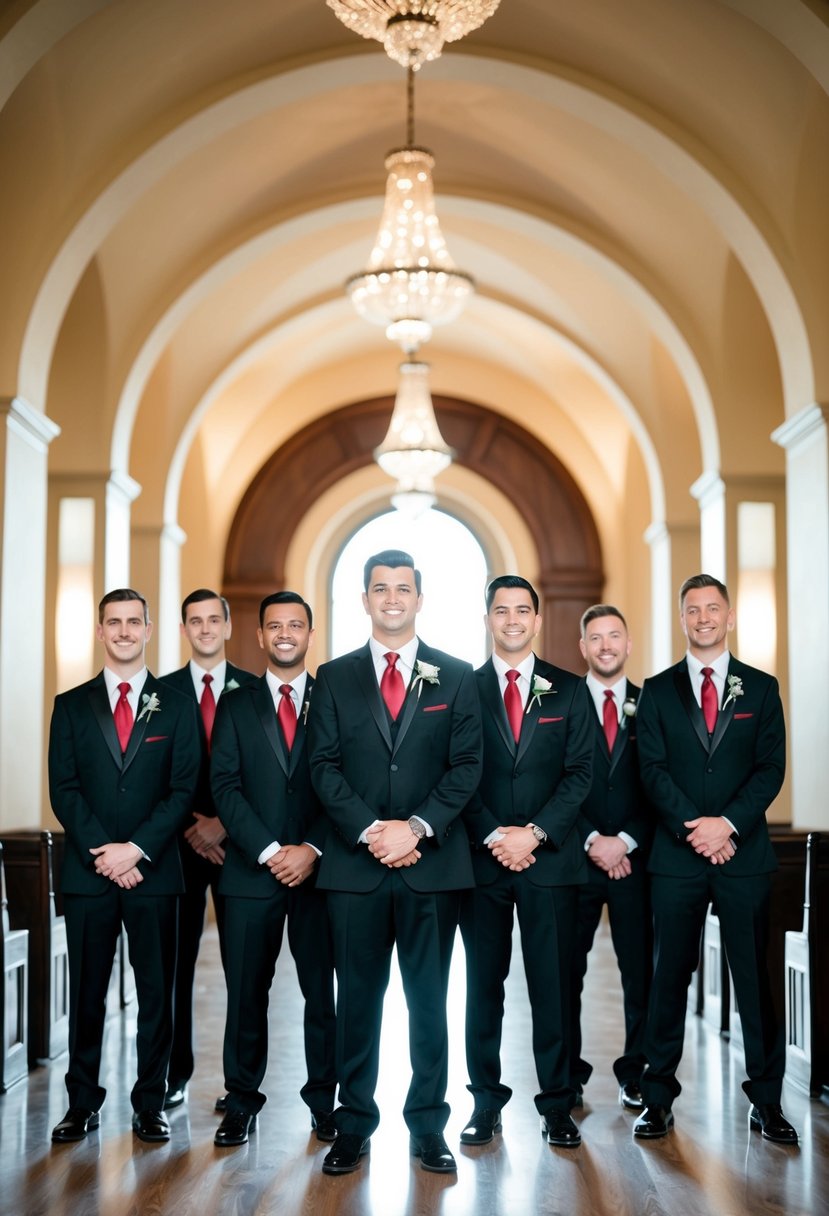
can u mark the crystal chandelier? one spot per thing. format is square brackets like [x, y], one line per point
[411, 283]
[414, 452]
[413, 31]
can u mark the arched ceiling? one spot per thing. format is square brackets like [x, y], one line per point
[639, 189]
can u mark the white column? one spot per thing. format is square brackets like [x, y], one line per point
[805, 438]
[25, 435]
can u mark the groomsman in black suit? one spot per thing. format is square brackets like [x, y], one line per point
[123, 765]
[206, 624]
[527, 858]
[615, 828]
[276, 831]
[395, 739]
[712, 746]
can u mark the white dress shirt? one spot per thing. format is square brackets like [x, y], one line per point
[198, 673]
[597, 691]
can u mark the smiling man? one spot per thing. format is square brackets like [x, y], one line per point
[123, 765]
[276, 831]
[206, 625]
[527, 858]
[712, 748]
[395, 738]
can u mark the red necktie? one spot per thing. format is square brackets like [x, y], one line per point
[512, 703]
[611, 718]
[287, 715]
[391, 685]
[710, 700]
[207, 705]
[123, 716]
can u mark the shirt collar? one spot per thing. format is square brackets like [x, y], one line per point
[719, 665]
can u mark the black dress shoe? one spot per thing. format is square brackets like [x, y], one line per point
[324, 1124]
[344, 1155]
[769, 1118]
[220, 1104]
[630, 1095]
[434, 1153]
[175, 1095]
[75, 1124]
[481, 1127]
[560, 1129]
[234, 1129]
[150, 1125]
[655, 1121]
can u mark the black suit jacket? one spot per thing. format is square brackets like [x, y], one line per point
[182, 681]
[737, 773]
[616, 801]
[366, 768]
[542, 779]
[261, 791]
[100, 796]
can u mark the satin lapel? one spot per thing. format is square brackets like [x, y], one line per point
[682, 681]
[494, 702]
[364, 670]
[99, 704]
[533, 710]
[622, 734]
[601, 737]
[267, 716]
[139, 729]
[299, 738]
[725, 716]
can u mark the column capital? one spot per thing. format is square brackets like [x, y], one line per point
[801, 426]
[29, 423]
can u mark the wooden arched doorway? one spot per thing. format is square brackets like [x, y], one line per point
[491, 445]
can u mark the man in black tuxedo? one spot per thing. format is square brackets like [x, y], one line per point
[206, 624]
[395, 739]
[615, 828]
[123, 765]
[712, 748]
[276, 831]
[527, 859]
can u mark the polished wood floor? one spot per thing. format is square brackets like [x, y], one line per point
[712, 1165]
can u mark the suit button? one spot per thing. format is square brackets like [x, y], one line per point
[394, 768]
[709, 770]
[290, 789]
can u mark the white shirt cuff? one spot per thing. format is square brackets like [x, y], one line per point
[269, 852]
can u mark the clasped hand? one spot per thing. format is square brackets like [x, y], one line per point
[515, 849]
[118, 862]
[710, 836]
[292, 864]
[205, 836]
[393, 843]
[610, 854]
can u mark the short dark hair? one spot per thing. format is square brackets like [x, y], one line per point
[393, 558]
[702, 580]
[122, 595]
[597, 610]
[284, 597]
[198, 597]
[509, 581]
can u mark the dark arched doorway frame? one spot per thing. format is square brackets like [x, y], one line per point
[490, 444]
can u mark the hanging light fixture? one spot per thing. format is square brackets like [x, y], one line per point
[411, 283]
[413, 31]
[414, 452]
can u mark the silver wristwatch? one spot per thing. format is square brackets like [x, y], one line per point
[538, 832]
[418, 828]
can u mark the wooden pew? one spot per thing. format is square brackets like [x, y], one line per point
[31, 896]
[14, 994]
[786, 913]
[807, 977]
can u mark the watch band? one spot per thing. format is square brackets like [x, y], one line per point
[538, 832]
[418, 828]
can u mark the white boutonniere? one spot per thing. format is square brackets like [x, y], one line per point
[230, 685]
[306, 706]
[425, 672]
[628, 710]
[735, 689]
[538, 689]
[150, 705]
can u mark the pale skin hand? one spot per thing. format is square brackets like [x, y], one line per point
[516, 850]
[393, 843]
[115, 860]
[610, 854]
[710, 836]
[292, 864]
[129, 880]
[205, 836]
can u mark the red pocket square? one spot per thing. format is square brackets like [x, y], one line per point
[540, 720]
[432, 709]
[744, 715]
[155, 738]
